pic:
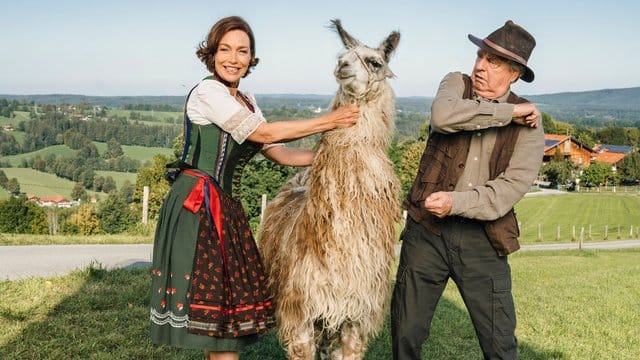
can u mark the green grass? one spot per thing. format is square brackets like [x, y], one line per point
[579, 211]
[58, 150]
[165, 117]
[33, 182]
[141, 153]
[3, 194]
[118, 177]
[570, 305]
[30, 239]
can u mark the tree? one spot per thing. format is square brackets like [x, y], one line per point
[114, 149]
[98, 183]
[153, 177]
[84, 222]
[114, 215]
[8, 145]
[557, 172]
[13, 187]
[127, 191]
[408, 167]
[261, 176]
[19, 216]
[3, 179]
[597, 174]
[630, 167]
[78, 191]
[109, 185]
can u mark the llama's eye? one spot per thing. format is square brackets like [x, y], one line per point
[374, 63]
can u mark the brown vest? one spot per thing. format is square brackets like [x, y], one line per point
[441, 166]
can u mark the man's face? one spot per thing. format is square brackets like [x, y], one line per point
[492, 75]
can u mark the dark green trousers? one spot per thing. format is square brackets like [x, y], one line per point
[464, 254]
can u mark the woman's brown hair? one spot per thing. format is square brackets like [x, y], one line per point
[207, 48]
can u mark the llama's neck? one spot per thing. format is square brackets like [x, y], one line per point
[375, 126]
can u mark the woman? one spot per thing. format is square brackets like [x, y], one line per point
[208, 281]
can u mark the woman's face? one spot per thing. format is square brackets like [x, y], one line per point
[233, 56]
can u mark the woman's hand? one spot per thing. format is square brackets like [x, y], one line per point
[344, 116]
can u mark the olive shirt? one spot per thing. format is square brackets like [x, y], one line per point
[475, 196]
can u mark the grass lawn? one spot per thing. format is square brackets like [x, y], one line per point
[33, 182]
[58, 150]
[118, 177]
[571, 305]
[588, 211]
[30, 239]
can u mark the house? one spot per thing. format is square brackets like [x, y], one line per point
[54, 201]
[569, 147]
[611, 154]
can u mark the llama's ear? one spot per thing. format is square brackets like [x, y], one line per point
[389, 45]
[348, 41]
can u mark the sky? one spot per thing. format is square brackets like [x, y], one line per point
[136, 47]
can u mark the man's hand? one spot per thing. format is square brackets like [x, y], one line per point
[526, 114]
[439, 203]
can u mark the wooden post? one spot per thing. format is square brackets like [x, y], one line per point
[618, 236]
[606, 232]
[539, 232]
[262, 207]
[590, 237]
[558, 233]
[573, 233]
[145, 204]
[581, 238]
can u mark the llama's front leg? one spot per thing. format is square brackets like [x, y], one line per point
[301, 345]
[327, 344]
[352, 342]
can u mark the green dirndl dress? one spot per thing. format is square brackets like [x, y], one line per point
[208, 282]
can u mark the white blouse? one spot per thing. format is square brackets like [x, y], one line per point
[212, 103]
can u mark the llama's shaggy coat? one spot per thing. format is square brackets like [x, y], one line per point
[328, 237]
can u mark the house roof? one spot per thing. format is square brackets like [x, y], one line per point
[53, 199]
[620, 149]
[553, 140]
[609, 157]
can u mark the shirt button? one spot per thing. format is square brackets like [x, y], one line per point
[478, 134]
[499, 122]
[475, 158]
[477, 126]
[470, 184]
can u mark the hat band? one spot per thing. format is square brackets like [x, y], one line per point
[506, 52]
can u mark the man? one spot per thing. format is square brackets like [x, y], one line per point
[484, 151]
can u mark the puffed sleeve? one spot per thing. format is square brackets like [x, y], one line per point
[211, 103]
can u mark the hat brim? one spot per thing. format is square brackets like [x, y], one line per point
[528, 74]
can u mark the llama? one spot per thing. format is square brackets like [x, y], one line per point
[328, 237]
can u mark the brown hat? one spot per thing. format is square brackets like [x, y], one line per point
[511, 42]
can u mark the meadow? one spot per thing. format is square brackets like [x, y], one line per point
[570, 305]
[141, 153]
[33, 182]
[592, 213]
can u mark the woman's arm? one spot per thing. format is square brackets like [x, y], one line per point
[283, 131]
[283, 155]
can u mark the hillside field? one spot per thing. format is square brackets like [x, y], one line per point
[140, 153]
[579, 210]
[33, 182]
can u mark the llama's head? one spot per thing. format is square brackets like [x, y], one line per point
[362, 69]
